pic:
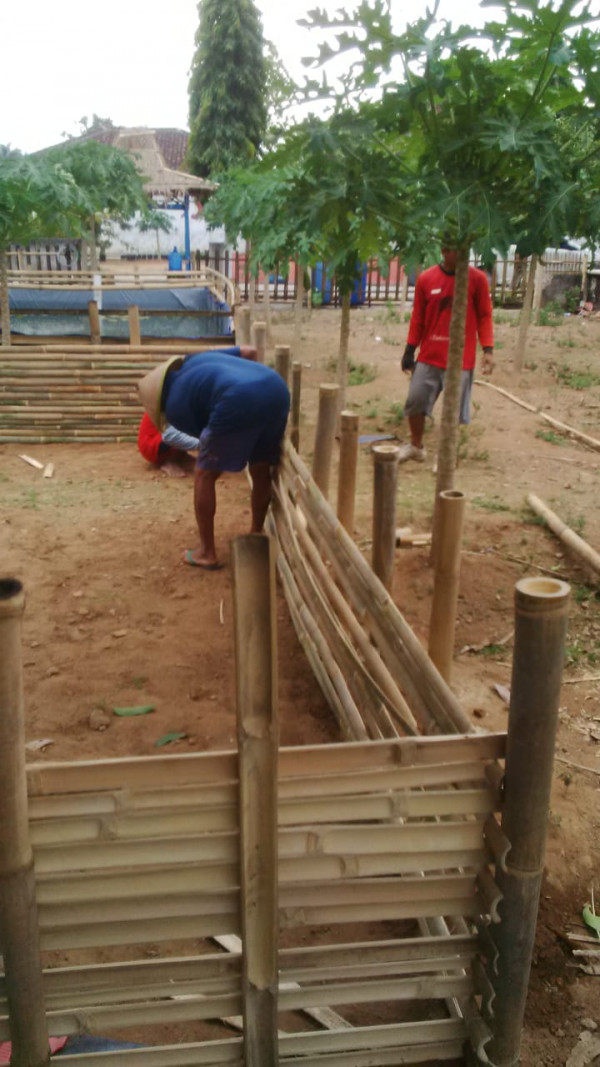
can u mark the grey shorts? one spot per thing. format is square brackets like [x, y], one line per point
[426, 385]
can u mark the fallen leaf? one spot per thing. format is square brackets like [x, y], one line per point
[140, 709]
[167, 739]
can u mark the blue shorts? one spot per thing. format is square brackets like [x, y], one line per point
[426, 385]
[232, 451]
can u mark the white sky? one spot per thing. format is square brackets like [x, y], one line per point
[125, 60]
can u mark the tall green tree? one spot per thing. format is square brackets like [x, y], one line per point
[227, 87]
[472, 120]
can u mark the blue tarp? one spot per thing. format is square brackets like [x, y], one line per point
[24, 304]
[77, 1045]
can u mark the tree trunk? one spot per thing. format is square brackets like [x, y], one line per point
[267, 299]
[299, 305]
[4, 300]
[448, 446]
[525, 316]
[342, 367]
[93, 245]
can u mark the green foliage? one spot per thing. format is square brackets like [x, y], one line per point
[38, 198]
[572, 299]
[489, 503]
[552, 314]
[576, 379]
[361, 373]
[396, 412]
[107, 177]
[227, 87]
[551, 437]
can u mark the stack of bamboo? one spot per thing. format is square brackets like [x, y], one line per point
[372, 668]
[75, 392]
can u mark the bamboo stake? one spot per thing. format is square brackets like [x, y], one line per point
[525, 316]
[19, 935]
[295, 406]
[283, 356]
[259, 331]
[256, 684]
[442, 623]
[565, 533]
[325, 435]
[384, 512]
[347, 470]
[541, 612]
[135, 335]
[94, 316]
[243, 325]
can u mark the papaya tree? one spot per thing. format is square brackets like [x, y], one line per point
[472, 120]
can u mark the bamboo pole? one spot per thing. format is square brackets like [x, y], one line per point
[135, 335]
[541, 612]
[525, 316]
[94, 317]
[259, 332]
[283, 356]
[347, 469]
[325, 435]
[442, 623]
[19, 934]
[565, 533]
[384, 512]
[243, 325]
[295, 406]
[256, 685]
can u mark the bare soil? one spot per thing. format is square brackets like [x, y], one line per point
[115, 618]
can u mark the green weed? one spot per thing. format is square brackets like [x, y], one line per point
[490, 503]
[582, 594]
[551, 315]
[551, 437]
[576, 379]
[566, 342]
[361, 373]
[531, 365]
[396, 412]
[576, 653]
[481, 457]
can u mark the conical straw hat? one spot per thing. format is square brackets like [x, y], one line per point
[150, 389]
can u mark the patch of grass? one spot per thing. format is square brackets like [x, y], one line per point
[501, 317]
[576, 653]
[531, 365]
[566, 342]
[492, 650]
[490, 503]
[396, 412]
[582, 594]
[140, 682]
[361, 373]
[392, 342]
[551, 437]
[33, 500]
[372, 412]
[576, 379]
[481, 457]
[552, 314]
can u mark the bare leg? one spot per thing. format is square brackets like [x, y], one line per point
[417, 429]
[205, 506]
[172, 469]
[260, 498]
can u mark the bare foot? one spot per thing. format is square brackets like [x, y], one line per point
[172, 469]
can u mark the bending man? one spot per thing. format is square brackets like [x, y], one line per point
[238, 409]
[430, 329]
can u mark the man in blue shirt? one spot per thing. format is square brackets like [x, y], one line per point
[238, 409]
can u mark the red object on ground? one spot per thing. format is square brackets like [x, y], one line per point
[56, 1043]
[149, 440]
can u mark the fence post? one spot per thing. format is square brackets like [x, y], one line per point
[442, 623]
[347, 469]
[19, 932]
[259, 330]
[295, 408]
[325, 435]
[541, 610]
[242, 332]
[256, 684]
[283, 356]
[384, 512]
[94, 317]
[135, 335]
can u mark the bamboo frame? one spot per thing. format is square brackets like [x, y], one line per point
[256, 688]
[242, 330]
[19, 936]
[295, 405]
[325, 435]
[283, 358]
[442, 622]
[259, 336]
[385, 482]
[347, 469]
[541, 612]
[133, 315]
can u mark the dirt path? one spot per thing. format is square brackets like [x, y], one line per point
[114, 618]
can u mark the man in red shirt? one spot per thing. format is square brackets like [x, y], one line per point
[429, 331]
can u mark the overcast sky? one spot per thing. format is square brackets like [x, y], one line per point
[124, 60]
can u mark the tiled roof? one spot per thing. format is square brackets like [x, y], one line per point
[172, 142]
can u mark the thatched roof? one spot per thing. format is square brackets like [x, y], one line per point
[159, 179]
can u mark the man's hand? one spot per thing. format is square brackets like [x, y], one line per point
[249, 352]
[487, 364]
[408, 359]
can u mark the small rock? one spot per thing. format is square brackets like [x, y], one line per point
[98, 720]
[34, 644]
[119, 633]
[52, 672]
[78, 593]
[589, 1024]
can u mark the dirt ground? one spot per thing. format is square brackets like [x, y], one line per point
[114, 617]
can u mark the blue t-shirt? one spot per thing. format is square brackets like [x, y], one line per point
[223, 391]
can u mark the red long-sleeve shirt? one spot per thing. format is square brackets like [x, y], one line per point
[430, 320]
